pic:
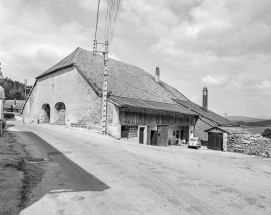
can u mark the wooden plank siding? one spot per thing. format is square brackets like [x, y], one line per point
[132, 116]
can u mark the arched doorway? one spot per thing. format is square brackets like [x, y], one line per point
[46, 109]
[60, 109]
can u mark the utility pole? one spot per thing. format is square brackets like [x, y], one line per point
[112, 11]
[104, 103]
[104, 113]
[25, 85]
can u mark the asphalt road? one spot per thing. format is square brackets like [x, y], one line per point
[101, 175]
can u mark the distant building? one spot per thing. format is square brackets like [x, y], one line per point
[141, 107]
[13, 105]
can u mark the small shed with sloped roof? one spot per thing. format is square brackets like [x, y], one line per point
[218, 136]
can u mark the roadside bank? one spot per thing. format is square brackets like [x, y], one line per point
[18, 175]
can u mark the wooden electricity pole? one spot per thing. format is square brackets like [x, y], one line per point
[104, 112]
[111, 16]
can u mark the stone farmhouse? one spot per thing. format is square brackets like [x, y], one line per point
[141, 108]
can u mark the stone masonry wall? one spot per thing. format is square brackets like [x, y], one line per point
[83, 106]
[113, 122]
[200, 127]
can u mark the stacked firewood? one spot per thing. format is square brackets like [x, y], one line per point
[249, 143]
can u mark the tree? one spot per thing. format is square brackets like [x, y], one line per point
[267, 133]
[18, 96]
[13, 89]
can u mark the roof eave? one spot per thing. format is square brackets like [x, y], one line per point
[152, 109]
[217, 128]
[55, 70]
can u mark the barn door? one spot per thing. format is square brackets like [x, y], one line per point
[162, 137]
[61, 117]
[141, 135]
[215, 141]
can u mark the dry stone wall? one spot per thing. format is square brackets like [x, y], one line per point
[249, 143]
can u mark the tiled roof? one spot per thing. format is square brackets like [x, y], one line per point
[67, 61]
[19, 104]
[206, 114]
[151, 105]
[124, 80]
[211, 123]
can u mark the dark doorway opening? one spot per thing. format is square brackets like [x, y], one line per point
[47, 112]
[154, 137]
[124, 131]
[177, 134]
[141, 135]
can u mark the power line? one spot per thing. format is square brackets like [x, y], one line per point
[97, 19]
[111, 16]
[114, 21]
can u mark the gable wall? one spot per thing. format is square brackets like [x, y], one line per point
[83, 106]
[200, 127]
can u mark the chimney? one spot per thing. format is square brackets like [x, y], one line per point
[157, 75]
[205, 99]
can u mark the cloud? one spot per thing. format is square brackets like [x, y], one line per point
[215, 79]
[253, 83]
[224, 45]
[32, 41]
[92, 5]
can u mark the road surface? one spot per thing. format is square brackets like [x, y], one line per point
[93, 174]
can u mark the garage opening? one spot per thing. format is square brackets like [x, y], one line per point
[60, 110]
[46, 110]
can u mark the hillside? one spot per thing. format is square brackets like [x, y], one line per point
[243, 119]
[263, 123]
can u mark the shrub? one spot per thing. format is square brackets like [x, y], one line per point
[267, 133]
[9, 115]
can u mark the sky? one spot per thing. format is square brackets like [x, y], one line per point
[222, 45]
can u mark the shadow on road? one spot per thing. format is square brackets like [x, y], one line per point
[78, 178]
